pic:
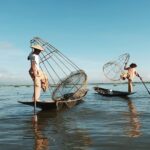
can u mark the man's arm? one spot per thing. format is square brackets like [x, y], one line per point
[33, 66]
[137, 74]
[125, 67]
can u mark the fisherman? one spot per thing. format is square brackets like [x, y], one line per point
[131, 73]
[39, 78]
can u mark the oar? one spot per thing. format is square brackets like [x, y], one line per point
[144, 84]
[35, 115]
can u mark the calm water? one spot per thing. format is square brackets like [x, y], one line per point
[99, 123]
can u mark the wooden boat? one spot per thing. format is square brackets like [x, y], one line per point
[68, 80]
[110, 93]
[44, 105]
[49, 105]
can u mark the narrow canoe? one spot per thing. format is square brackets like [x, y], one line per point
[110, 93]
[49, 105]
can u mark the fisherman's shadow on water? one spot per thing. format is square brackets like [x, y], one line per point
[54, 130]
[134, 128]
[42, 140]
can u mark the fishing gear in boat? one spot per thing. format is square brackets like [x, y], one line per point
[115, 68]
[112, 93]
[66, 81]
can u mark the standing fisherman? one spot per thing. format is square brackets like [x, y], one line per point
[131, 73]
[39, 78]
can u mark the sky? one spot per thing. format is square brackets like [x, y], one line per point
[89, 32]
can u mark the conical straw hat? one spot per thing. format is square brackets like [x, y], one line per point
[37, 47]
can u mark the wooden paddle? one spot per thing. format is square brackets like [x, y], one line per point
[35, 115]
[144, 84]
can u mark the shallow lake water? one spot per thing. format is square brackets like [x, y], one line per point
[99, 123]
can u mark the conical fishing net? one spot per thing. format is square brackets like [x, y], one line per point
[113, 69]
[65, 78]
[70, 86]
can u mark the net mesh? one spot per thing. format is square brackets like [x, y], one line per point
[69, 88]
[66, 104]
[113, 69]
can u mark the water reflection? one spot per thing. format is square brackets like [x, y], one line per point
[134, 127]
[58, 130]
[41, 141]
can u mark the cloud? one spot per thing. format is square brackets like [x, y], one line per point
[13, 65]
[11, 55]
[5, 46]
[8, 77]
[9, 49]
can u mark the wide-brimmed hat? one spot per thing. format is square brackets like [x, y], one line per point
[38, 47]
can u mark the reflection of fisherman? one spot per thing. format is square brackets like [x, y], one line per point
[39, 78]
[41, 142]
[135, 124]
[131, 73]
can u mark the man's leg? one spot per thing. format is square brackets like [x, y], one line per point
[37, 88]
[130, 87]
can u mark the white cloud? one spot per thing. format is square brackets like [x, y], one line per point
[13, 64]
[5, 45]
[7, 77]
